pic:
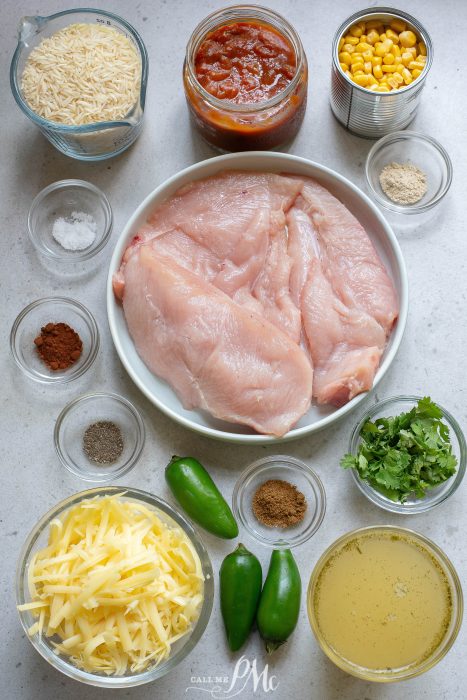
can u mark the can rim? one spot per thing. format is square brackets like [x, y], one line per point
[372, 13]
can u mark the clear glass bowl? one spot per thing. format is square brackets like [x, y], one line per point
[457, 606]
[419, 150]
[90, 142]
[37, 539]
[288, 469]
[27, 327]
[90, 408]
[393, 406]
[60, 200]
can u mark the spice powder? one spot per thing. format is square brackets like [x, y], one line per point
[278, 503]
[103, 442]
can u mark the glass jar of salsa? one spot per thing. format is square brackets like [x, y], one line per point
[246, 77]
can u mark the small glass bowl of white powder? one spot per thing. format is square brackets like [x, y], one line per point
[408, 172]
[70, 221]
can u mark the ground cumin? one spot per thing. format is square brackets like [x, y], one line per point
[278, 503]
[58, 345]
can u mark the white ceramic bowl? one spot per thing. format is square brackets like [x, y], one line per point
[157, 390]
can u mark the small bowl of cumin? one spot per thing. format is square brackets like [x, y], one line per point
[54, 340]
[99, 437]
[408, 173]
[280, 501]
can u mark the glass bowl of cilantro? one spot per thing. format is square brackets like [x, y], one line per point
[407, 454]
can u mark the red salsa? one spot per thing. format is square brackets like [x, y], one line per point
[245, 62]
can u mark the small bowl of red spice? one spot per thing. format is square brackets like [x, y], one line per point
[54, 340]
[280, 501]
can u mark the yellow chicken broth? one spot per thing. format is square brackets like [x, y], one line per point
[382, 602]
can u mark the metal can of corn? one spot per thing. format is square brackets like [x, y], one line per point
[361, 110]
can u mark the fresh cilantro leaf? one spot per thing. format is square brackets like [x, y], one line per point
[405, 455]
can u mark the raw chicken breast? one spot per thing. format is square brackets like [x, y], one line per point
[216, 354]
[345, 343]
[237, 219]
[349, 258]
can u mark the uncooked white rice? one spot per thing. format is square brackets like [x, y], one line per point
[82, 74]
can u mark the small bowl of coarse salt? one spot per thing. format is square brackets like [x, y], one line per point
[408, 172]
[70, 221]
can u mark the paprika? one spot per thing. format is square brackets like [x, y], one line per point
[58, 345]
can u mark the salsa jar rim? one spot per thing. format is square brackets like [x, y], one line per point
[228, 15]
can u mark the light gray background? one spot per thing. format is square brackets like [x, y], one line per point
[431, 359]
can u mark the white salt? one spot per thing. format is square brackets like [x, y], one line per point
[76, 232]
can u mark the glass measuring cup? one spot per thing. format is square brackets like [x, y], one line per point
[91, 142]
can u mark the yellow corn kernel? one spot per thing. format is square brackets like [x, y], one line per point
[361, 80]
[357, 66]
[355, 31]
[372, 37]
[416, 64]
[345, 57]
[376, 60]
[392, 35]
[412, 50]
[398, 78]
[389, 69]
[377, 72]
[395, 50]
[398, 25]
[363, 38]
[384, 48]
[421, 47]
[348, 48]
[421, 58]
[407, 39]
[356, 58]
[367, 67]
[407, 75]
[393, 83]
[348, 73]
[416, 73]
[389, 58]
[344, 66]
[406, 58]
[368, 55]
[363, 46]
[349, 39]
[374, 24]
[374, 87]
[398, 61]
[382, 88]
[341, 43]
[372, 80]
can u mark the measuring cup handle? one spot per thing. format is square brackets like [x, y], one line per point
[29, 26]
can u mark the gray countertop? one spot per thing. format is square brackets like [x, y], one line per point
[430, 359]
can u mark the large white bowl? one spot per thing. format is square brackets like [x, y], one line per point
[157, 390]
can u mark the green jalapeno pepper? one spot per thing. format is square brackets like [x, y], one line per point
[198, 495]
[240, 588]
[279, 605]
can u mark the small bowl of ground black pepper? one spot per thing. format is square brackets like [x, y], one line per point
[54, 340]
[408, 172]
[99, 437]
[280, 501]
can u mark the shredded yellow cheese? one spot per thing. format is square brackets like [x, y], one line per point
[116, 586]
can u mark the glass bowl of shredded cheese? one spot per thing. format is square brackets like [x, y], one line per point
[80, 75]
[114, 587]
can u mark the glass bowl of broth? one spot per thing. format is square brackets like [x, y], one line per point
[385, 603]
